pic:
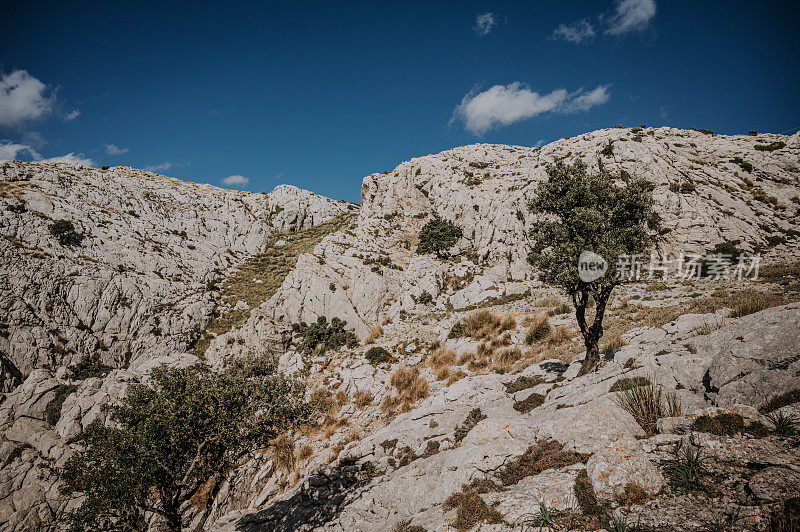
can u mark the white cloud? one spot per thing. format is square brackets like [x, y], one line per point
[14, 151]
[166, 165]
[236, 180]
[111, 149]
[72, 115]
[578, 31]
[583, 101]
[10, 151]
[484, 24]
[631, 15]
[22, 98]
[502, 105]
[76, 158]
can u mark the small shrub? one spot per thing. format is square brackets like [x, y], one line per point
[305, 453]
[523, 383]
[470, 510]
[686, 470]
[633, 494]
[744, 165]
[481, 325]
[425, 298]
[779, 401]
[703, 131]
[324, 336]
[89, 366]
[377, 355]
[752, 133]
[772, 146]
[474, 417]
[627, 383]
[52, 412]
[534, 400]
[16, 453]
[608, 151]
[720, 425]
[562, 308]
[64, 231]
[545, 454]
[437, 235]
[687, 188]
[584, 492]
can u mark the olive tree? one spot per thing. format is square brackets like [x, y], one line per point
[174, 436]
[581, 211]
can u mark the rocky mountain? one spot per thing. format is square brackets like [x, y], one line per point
[143, 269]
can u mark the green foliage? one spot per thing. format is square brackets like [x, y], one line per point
[646, 402]
[721, 425]
[52, 412]
[687, 187]
[772, 146]
[584, 492]
[88, 366]
[580, 212]
[626, 383]
[64, 231]
[785, 425]
[377, 355]
[174, 436]
[686, 470]
[324, 336]
[437, 235]
[425, 298]
[744, 165]
[608, 151]
[701, 130]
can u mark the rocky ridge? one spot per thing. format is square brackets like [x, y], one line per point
[400, 464]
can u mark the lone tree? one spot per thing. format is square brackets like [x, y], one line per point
[581, 212]
[437, 235]
[175, 438]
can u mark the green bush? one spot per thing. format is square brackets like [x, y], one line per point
[425, 298]
[89, 366]
[687, 188]
[324, 336]
[772, 146]
[172, 438]
[437, 235]
[65, 232]
[377, 355]
[608, 151]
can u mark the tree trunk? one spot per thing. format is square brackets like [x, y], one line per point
[592, 360]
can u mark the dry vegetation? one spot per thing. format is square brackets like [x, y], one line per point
[271, 268]
[410, 386]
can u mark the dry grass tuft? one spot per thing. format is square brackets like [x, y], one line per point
[756, 302]
[538, 330]
[284, 453]
[506, 358]
[305, 453]
[482, 325]
[441, 359]
[646, 402]
[363, 398]
[561, 335]
[374, 333]
[411, 387]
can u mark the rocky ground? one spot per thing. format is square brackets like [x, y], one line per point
[489, 428]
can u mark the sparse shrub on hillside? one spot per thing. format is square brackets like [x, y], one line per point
[688, 187]
[411, 387]
[744, 165]
[752, 133]
[724, 424]
[89, 366]
[377, 355]
[283, 449]
[470, 510]
[324, 336]
[534, 400]
[374, 333]
[756, 302]
[64, 231]
[608, 151]
[545, 454]
[779, 401]
[772, 146]
[704, 131]
[171, 436]
[438, 235]
[363, 398]
[785, 424]
[425, 298]
[687, 469]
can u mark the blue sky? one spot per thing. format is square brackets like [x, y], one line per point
[320, 94]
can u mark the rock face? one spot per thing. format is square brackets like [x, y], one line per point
[136, 284]
[134, 279]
